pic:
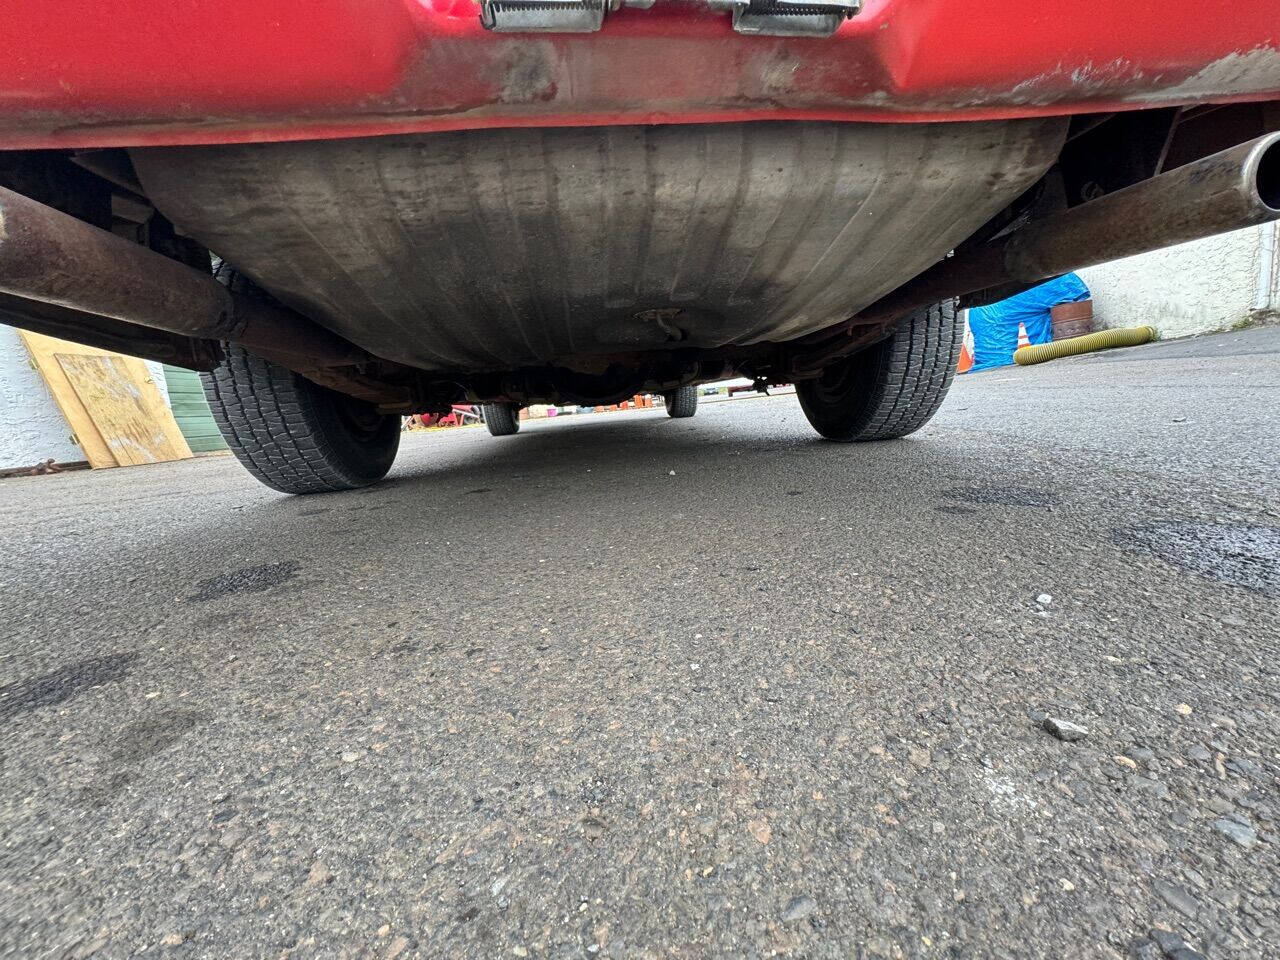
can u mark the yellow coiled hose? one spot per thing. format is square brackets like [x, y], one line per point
[1101, 340]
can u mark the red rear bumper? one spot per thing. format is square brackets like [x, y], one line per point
[140, 72]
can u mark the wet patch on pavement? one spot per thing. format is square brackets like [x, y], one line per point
[62, 684]
[255, 579]
[150, 735]
[1242, 555]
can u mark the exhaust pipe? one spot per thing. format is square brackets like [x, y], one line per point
[55, 259]
[1236, 188]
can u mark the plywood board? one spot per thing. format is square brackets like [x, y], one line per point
[110, 402]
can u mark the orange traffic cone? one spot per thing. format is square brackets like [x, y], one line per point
[966, 348]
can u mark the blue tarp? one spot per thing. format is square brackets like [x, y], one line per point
[995, 328]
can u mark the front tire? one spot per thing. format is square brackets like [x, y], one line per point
[502, 419]
[891, 388]
[682, 402]
[294, 435]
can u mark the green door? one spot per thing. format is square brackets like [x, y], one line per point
[191, 410]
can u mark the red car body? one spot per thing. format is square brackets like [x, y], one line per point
[78, 73]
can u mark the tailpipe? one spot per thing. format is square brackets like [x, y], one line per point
[1236, 188]
[55, 259]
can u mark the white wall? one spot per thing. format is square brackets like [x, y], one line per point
[32, 428]
[1196, 287]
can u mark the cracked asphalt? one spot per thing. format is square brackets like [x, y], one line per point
[540, 696]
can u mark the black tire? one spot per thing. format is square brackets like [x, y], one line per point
[296, 436]
[502, 419]
[682, 402]
[892, 388]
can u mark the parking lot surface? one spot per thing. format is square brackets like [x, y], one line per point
[626, 686]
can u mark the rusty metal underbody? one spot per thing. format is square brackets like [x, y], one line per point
[63, 276]
[496, 249]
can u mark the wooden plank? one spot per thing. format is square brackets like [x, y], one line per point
[110, 402]
[42, 350]
[131, 426]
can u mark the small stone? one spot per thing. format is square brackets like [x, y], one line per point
[1067, 885]
[1242, 834]
[351, 756]
[1171, 946]
[397, 946]
[671, 473]
[1167, 941]
[319, 875]
[1200, 753]
[1177, 898]
[1184, 709]
[1140, 754]
[1244, 767]
[761, 830]
[1126, 762]
[519, 951]
[176, 938]
[799, 908]
[1153, 787]
[497, 886]
[1064, 730]
[1044, 599]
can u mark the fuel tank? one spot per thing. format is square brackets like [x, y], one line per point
[495, 249]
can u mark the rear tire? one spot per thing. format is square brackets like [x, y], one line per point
[502, 419]
[294, 435]
[682, 402]
[889, 389]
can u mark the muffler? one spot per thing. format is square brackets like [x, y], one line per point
[55, 259]
[1236, 188]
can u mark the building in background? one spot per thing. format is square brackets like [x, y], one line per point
[1204, 286]
[32, 428]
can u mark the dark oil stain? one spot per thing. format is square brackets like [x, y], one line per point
[1002, 496]
[954, 508]
[795, 493]
[468, 915]
[1242, 555]
[62, 684]
[152, 734]
[133, 744]
[404, 647]
[481, 490]
[253, 579]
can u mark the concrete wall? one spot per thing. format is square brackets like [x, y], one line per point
[32, 428]
[1192, 288]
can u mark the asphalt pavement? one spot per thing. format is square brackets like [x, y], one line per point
[626, 686]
